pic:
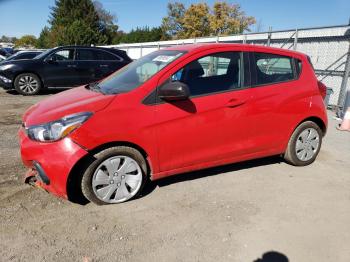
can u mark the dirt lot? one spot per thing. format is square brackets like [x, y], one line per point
[232, 213]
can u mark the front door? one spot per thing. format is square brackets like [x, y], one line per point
[214, 123]
[61, 69]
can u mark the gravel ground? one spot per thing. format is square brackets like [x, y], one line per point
[239, 212]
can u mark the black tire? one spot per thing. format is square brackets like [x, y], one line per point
[291, 155]
[29, 91]
[86, 182]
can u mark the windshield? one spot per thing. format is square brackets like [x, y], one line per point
[138, 72]
[11, 57]
[43, 54]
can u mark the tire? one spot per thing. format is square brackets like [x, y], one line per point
[119, 169]
[27, 84]
[304, 144]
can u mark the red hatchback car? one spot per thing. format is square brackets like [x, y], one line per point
[175, 110]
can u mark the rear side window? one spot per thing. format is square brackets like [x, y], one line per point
[85, 54]
[271, 68]
[103, 55]
[298, 66]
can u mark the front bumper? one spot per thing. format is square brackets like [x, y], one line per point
[49, 163]
[5, 82]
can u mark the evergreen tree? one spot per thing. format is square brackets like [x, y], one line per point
[80, 22]
[44, 38]
[76, 22]
[140, 34]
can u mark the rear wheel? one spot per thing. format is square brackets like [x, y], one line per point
[27, 84]
[304, 144]
[117, 175]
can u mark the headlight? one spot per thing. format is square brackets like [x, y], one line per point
[58, 129]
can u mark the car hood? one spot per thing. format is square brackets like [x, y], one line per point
[19, 62]
[65, 103]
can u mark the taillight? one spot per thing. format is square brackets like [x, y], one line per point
[322, 88]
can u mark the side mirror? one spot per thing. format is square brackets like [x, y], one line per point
[174, 91]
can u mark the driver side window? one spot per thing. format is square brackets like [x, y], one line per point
[210, 74]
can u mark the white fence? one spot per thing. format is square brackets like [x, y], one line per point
[328, 48]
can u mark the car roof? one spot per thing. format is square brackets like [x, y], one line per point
[116, 51]
[82, 46]
[250, 47]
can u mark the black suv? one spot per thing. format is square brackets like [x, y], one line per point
[66, 66]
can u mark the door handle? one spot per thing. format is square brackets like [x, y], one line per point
[235, 102]
[103, 65]
[72, 66]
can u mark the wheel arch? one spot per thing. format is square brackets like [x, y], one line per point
[318, 121]
[73, 189]
[29, 72]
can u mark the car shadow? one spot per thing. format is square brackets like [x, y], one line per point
[151, 185]
[77, 197]
[272, 256]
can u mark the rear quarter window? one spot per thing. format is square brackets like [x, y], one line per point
[107, 56]
[298, 67]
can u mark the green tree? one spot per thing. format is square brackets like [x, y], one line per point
[26, 41]
[78, 22]
[140, 34]
[44, 38]
[107, 22]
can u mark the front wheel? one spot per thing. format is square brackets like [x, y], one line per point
[27, 84]
[304, 144]
[116, 175]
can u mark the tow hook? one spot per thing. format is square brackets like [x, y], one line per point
[30, 177]
[31, 181]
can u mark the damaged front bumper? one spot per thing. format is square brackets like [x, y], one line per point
[50, 164]
[36, 176]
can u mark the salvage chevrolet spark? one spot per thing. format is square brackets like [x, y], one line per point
[173, 111]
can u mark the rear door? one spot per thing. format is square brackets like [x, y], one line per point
[107, 63]
[213, 125]
[60, 69]
[277, 99]
[87, 65]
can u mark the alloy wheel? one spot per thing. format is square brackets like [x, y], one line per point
[28, 84]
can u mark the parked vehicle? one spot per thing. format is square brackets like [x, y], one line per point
[67, 66]
[173, 111]
[2, 58]
[23, 55]
[4, 52]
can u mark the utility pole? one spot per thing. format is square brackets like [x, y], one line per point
[269, 36]
[295, 40]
